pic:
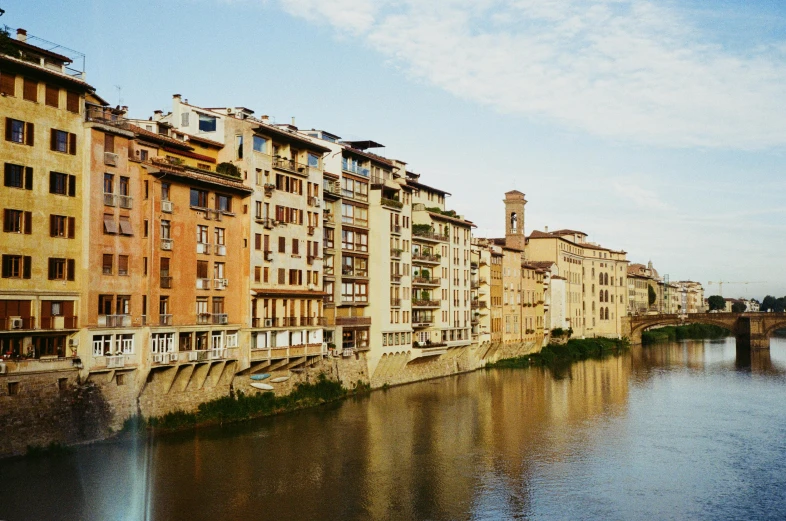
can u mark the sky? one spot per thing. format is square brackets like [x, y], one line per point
[654, 126]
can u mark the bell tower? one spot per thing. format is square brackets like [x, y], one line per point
[514, 220]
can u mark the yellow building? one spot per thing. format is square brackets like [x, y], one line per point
[42, 195]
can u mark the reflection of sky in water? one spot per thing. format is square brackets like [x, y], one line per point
[680, 431]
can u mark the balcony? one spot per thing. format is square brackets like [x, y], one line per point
[425, 281]
[165, 319]
[395, 278]
[422, 303]
[166, 244]
[59, 322]
[114, 320]
[115, 361]
[204, 318]
[165, 358]
[395, 302]
[429, 235]
[395, 253]
[349, 271]
[421, 321]
[391, 203]
[267, 222]
[395, 229]
[203, 247]
[220, 284]
[289, 322]
[220, 318]
[203, 283]
[425, 258]
[125, 201]
[473, 284]
[290, 165]
[13, 323]
[354, 168]
[220, 250]
[165, 282]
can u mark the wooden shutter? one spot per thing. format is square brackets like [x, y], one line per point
[52, 139]
[28, 178]
[52, 270]
[67, 308]
[30, 90]
[52, 226]
[52, 182]
[6, 221]
[72, 102]
[71, 227]
[70, 269]
[28, 223]
[52, 97]
[72, 144]
[8, 84]
[26, 266]
[282, 245]
[72, 186]
[29, 134]
[8, 129]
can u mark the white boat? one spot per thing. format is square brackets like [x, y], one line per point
[262, 387]
[279, 379]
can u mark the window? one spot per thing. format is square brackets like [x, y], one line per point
[61, 226]
[202, 269]
[218, 270]
[72, 102]
[166, 228]
[18, 176]
[165, 191]
[282, 245]
[122, 265]
[110, 226]
[30, 90]
[61, 141]
[108, 264]
[109, 143]
[102, 345]
[124, 188]
[184, 119]
[313, 160]
[14, 221]
[223, 203]
[123, 305]
[125, 226]
[198, 198]
[202, 233]
[207, 123]
[62, 184]
[7, 84]
[19, 132]
[58, 269]
[260, 145]
[16, 266]
[295, 247]
[239, 142]
[219, 236]
[109, 184]
[52, 97]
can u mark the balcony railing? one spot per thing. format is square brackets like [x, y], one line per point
[125, 201]
[204, 318]
[220, 249]
[395, 253]
[110, 199]
[220, 318]
[429, 234]
[395, 302]
[354, 168]
[348, 271]
[391, 203]
[11, 323]
[59, 322]
[106, 116]
[166, 282]
[426, 281]
[289, 165]
[203, 247]
[423, 303]
[165, 319]
[420, 257]
[395, 277]
[114, 320]
[395, 228]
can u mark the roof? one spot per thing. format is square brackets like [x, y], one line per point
[537, 234]
[293, 292]
[427, 187]
[368, 155]
[49, 72]
[568, 232]
[451, 219]
[26, 46]
[200, 139]
[541, 264]
[158, 137]
[293, 136]
[192, 155]
[204, 176]
[363, 144]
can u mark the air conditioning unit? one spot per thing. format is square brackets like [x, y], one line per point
[312, 287]
[3, 369]
[16, 323]
[221, 249]
[268, 255]
[223, 319]
[167, 206]
[158, 358]
[207, 214]
[166, 244]
[317, 202]
[268, 322]
[269, 224]
[172, 357]
[73, 342]
[230, 111]
[193, 356]
[216, 215]
[110, 159]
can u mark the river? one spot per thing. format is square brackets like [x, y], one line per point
[684, 430]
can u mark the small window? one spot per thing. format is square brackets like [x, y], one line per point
[7, 84]
[120, 378]
[223, 203]
[109, 143]
[52, 96]
[207, 123]
[30, 90]
[72, 102]
[260, 145]
[13, 388]
[108, 263]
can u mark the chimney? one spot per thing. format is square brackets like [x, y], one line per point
[21, 35]
[547, 229]
[264, 118]
[176, 96]
[157, 114]
[293, 121]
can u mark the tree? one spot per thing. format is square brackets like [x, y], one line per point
[651, 295]
[772, 304]
[716, 302]
[738, 307]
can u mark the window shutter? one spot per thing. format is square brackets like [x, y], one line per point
[71, 227]
[52, 139]
[28, 178]
[26, 266]
[51, 273]
[72, 144]
[51, 182]
[72, 186]
[8, 129]
[52, 219]
[28, 223]
[70, 269]
[29, 134]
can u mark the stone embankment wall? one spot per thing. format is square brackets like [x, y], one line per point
[37, 409]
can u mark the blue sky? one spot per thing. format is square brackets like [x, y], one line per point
[653, 126]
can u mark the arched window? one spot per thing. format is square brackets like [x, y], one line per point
[514, 222]
[600, 279]
[607, 313]
[607, 296]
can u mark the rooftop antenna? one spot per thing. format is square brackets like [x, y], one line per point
[119, 95]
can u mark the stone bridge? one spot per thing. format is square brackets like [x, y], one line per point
[752, 330]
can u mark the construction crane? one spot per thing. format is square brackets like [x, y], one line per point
[720, 284]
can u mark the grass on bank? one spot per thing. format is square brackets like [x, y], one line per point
[240, 406]
[690, 331]
[558, 355]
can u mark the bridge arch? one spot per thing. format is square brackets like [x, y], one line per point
[649, 321]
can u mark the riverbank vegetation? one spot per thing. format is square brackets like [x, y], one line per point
[559, 355]
[690, 331]
[239, 406]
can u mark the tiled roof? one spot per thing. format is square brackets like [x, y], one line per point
[197, 175]
[158, 137]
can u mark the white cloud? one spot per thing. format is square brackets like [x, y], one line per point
[635, 70]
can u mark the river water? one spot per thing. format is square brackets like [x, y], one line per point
[685, 430]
